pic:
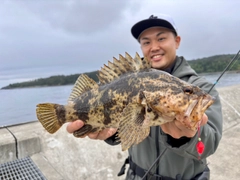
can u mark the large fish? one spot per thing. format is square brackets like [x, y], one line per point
[130, 96]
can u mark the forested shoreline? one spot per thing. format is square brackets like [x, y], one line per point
[203, 65]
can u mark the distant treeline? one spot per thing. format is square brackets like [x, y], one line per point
[204, 65]
[214, 64]
[51, 81]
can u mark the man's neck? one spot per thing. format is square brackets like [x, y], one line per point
[171, 67]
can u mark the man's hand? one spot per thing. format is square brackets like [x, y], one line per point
[102, 135]
[176, 129]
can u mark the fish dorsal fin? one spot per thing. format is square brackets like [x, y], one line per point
[138, 63]
[133, 127]
[122, 66]
[83, 84]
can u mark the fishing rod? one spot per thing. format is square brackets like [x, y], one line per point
[227, 67]
[233, 59]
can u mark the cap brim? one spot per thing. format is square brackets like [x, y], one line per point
[139, 27]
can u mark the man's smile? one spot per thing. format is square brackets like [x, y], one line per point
[156, 57]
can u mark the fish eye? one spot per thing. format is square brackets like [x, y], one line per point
[149, 109]
[188, 90]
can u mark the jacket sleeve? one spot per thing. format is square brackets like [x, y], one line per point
[210, 133]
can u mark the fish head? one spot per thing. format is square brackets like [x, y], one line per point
[195, 113]
[186, 103]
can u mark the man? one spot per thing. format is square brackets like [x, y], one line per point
[159, 40]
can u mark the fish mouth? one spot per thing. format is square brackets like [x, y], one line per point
[200, 104]
[196, 110]
[190, 108]
[206, 102]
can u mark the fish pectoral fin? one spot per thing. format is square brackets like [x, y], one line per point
[46, 114]
[131, 127]
[83, 84]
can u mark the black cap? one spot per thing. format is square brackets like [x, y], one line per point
[153, 21]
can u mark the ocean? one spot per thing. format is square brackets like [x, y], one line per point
[18, 105]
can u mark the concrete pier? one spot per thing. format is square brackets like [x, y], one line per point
[62, 156]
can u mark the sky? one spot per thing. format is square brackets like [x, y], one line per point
[54, 37]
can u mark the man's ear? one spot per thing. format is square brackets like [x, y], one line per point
[177, 40]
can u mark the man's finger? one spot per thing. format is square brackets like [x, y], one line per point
[73, 126]
[106, 133]
[93, 135]
[204, 120]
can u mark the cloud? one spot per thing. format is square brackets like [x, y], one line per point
[75, 16]
[80, 36]
[40, 33]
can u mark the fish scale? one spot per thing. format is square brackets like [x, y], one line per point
[132, 97]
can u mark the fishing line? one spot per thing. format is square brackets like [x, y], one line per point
[227, 67]
[233, 59]
[160, 155]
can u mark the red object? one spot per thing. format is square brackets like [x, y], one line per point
[200, 147]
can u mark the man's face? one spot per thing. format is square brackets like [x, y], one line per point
[159, 46]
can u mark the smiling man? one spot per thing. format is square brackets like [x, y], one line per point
[159, 41]
[159, 46]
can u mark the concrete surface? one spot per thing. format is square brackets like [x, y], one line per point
[225, 163]
[28, 141]
[62, 156]
[46, 168]
[83, 159]
[7, 146]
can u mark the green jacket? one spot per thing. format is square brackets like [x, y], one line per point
[180, 155]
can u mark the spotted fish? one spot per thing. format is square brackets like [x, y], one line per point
[130, 96]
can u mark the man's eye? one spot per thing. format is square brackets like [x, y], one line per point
[161, 39]
[145, 43]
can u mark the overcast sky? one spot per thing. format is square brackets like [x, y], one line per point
[52, 37]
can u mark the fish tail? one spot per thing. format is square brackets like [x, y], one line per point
[50, 116]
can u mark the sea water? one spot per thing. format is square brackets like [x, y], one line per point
[19, 105]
